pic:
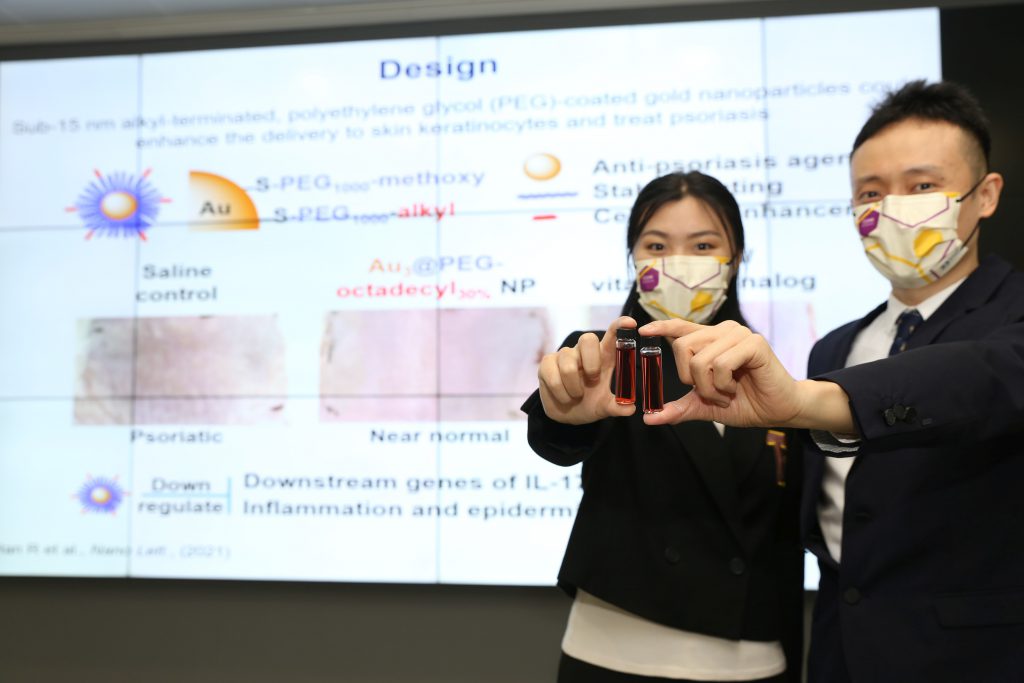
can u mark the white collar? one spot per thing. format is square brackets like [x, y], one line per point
[894, 307]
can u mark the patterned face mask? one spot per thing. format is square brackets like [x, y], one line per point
[912, 239]
[688, 287]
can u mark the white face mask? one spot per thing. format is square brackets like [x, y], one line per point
[912, 239]
[688, 287]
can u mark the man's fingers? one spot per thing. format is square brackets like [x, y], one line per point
[684, 349]
[670, 329]
[752, 351]
[590, 357]
[715, 380]
[569, 370]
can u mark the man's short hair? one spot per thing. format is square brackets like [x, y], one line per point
[942, 101]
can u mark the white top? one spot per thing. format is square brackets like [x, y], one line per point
[604, 635]
[872, 343]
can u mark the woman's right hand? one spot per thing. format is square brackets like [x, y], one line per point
[575, 382]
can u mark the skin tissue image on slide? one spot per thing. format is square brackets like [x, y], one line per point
[184, 370]
[446, 369]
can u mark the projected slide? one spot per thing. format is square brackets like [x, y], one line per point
[270, 313]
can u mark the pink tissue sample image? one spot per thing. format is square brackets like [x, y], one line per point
[461, 364]
[187, 370]
[789, 327]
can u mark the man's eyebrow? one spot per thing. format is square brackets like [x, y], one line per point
[867, 179]
[913, 170]
[926, 168]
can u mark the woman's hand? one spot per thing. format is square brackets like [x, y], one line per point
[575, 382]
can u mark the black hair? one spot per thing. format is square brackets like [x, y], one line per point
[942, 101]
[714, 195]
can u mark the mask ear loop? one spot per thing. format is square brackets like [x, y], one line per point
[973, 188]
[966, 195]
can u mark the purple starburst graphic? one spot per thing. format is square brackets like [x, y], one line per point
[118, 204]
[100, 494]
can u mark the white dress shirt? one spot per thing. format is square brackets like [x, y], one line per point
[872, 343]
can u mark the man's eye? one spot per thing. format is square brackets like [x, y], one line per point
[868, 195]
[924, 187]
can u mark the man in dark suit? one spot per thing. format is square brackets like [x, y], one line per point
[914, 491]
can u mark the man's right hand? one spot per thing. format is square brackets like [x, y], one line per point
[575, 382]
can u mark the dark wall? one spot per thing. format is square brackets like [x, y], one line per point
[162, 632]
[982, 49]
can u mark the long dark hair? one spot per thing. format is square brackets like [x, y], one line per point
[713, 194]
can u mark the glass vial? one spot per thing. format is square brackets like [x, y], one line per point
[625, 366]
[650, 373]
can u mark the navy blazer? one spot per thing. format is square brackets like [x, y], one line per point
[682, 526]
[931, 584]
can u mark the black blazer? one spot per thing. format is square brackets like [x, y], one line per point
[682, 526]
[931, 586]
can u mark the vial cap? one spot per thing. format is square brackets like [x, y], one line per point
[625, 333]
[648, 342]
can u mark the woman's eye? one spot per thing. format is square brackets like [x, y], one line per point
[924, 187]
[656, 246]
[704, 246]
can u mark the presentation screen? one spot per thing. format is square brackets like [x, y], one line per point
[270, 313]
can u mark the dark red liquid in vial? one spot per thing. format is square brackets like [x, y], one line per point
[625, 374]
[650, 371]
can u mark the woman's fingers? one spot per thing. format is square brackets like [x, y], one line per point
[590, 357]
[569, 371]
[551, 379]
[608, 341]
[689, 407]
[613, 409]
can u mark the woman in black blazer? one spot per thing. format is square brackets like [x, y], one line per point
[684, 561]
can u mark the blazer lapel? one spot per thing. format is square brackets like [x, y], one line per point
[706, 449]
[745, 447]
[975, 291]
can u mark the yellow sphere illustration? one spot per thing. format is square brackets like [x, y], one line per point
[100, 495]
[542, 166]
[118, 205]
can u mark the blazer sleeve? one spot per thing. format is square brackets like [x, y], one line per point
[559, 443]
[940, 393]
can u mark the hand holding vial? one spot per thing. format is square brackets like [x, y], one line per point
[576, 382]
[739, 381]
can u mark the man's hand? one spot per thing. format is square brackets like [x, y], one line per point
[739, 381]
[575, 382]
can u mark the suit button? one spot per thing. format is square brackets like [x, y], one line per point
[851, 596]
[890, 417]
[672, 555]
[737, 566]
